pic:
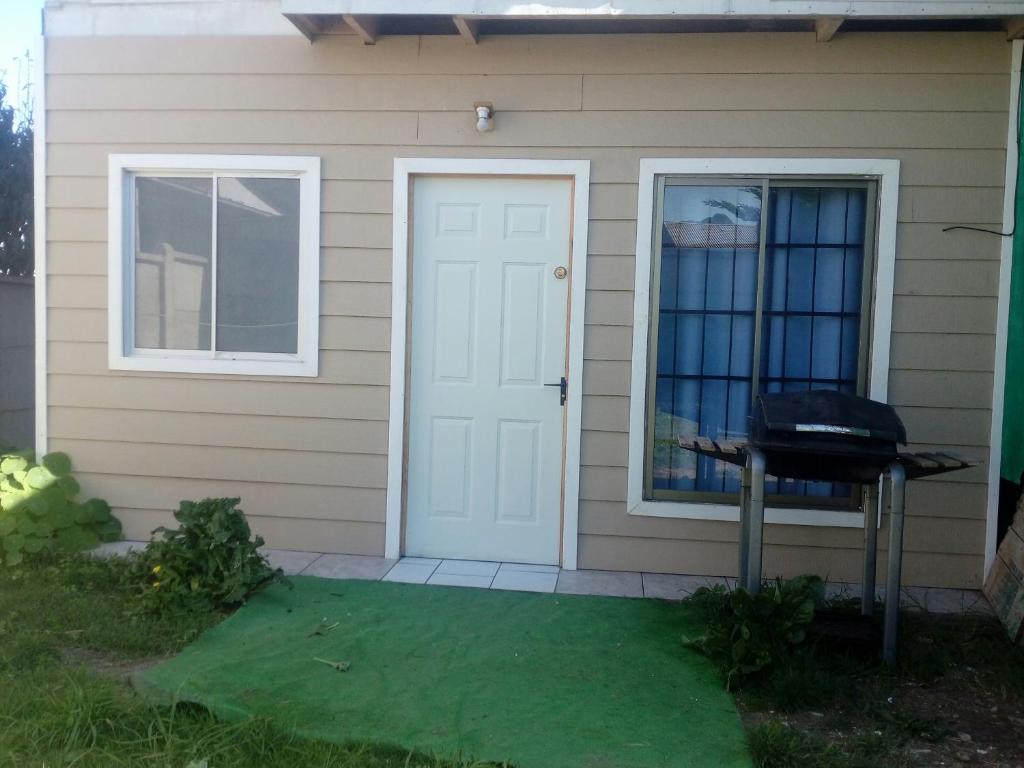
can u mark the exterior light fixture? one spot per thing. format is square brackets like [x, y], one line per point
[484, 116]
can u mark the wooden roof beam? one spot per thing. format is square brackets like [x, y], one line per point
[468, 28]
[1014, 27]
[367, 27]
[826, 27]
[307, 25]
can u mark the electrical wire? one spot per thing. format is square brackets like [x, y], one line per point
[1016, 188]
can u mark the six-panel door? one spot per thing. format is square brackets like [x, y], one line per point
[488, 334]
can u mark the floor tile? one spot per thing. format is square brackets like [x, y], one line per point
[112, 548]
[349, 567]
[288, 561]
[934, 600]
[672, 586]
[410, 573]
[525, 581]
[434, 561]
[611, 583]
[468, 568]
[461, 580]
[530, 567]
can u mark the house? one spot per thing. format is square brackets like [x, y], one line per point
[448, 278]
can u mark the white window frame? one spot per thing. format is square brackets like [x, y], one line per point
[886, 174]
[121, 316]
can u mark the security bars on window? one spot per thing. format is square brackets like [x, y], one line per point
[736, 280]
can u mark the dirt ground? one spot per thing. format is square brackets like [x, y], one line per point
[962, 718]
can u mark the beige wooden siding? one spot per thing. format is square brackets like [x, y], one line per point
[309, 457]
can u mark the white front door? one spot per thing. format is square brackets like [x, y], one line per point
[488, 334]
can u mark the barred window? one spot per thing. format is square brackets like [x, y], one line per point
[759, 285]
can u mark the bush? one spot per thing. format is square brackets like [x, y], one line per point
[748, 634]
[212, 561]
[39, 513]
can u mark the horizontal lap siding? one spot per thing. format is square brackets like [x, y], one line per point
[314, 452]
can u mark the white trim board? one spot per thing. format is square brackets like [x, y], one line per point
[995, 455]
[656, 8]
[886, 172]
[39, 233]
[404, 170]
[120, 307]
[74, 18]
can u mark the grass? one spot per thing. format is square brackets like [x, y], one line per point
[826, 707]
[82, 603]
[68, 636]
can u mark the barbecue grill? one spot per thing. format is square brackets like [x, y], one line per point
[829, 436]
[826, 435]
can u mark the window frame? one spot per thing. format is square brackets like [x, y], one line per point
[876, 326]
[123, 354]
[765, 183]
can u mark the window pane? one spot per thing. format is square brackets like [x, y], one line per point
[811, 327]
[173, 243]
[705, 345]
[257, 265]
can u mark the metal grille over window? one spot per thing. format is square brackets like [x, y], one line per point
[745, 271]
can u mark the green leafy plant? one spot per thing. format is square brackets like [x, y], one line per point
[748, 634]
[39, 511]
[211, 561]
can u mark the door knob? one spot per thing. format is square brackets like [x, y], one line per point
[563, 390]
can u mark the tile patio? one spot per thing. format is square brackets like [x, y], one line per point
[525, 577]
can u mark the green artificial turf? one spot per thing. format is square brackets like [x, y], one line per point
[540, 681]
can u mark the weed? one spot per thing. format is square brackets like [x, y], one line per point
[746, 634]
[39, 511]
[774, 744]
[211, 561]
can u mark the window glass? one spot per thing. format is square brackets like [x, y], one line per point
[257, 265]
[704, 372]
[705, 344]
[173, 247]
[811, 332]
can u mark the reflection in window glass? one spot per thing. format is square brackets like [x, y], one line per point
[705, 344]
[257, 265]
[704, 372]
[173, 245]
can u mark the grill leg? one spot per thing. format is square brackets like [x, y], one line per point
[745, 524]
[756, 535]
[897, 483]
[867, 603]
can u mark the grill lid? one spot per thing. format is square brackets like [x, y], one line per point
[825, 435]
[824, 412]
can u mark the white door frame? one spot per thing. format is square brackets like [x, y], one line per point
[405, 169]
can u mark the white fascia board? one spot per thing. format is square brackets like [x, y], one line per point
[657, 8]
[166, 18]
[269, 17]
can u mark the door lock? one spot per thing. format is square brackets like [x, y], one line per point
[563, 390]
[561, 272]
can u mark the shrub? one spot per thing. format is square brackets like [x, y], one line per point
[38, 510]
[212, 561]
[747, 634]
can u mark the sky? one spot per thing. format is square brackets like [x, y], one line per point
[19, 28]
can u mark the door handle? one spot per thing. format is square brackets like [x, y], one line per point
[563, 390]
